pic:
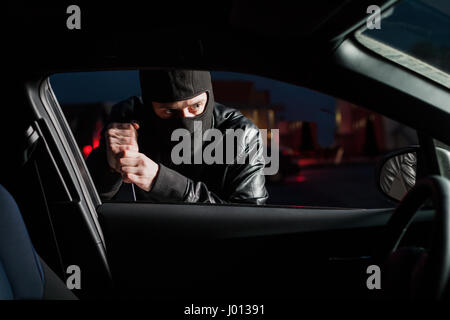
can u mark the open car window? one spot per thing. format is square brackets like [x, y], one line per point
[326, 148]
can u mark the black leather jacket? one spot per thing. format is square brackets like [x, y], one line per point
[215, 183]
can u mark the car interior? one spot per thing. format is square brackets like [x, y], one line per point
[130, 250]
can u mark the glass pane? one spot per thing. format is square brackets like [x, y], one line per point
[415, 34]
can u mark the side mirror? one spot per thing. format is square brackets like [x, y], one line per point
[396, 172]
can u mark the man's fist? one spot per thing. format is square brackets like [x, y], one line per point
[137, 168]
[119, 138]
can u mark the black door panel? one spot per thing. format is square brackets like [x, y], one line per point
[232, 221]
[159, 250]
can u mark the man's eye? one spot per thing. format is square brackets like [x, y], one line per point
[169, 111]
[196, 106]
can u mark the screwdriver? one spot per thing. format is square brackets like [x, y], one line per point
[135, 124]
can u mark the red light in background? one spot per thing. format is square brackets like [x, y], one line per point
[96, 134]
[298, 178]
[87, 150]
[307, 162]
[95, 143]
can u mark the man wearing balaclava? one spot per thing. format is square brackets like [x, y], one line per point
[136, 146]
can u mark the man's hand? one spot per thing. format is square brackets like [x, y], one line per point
[119, 138]
[137, 168]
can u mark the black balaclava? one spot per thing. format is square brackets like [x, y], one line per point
[174, 85]
[169, 86]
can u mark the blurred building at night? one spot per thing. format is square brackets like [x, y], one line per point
[299, 136]
[257, 106]
[359, 132]
[254, 104]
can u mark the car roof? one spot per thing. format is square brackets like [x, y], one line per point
[113, 33]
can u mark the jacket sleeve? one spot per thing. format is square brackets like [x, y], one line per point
[246, 181]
